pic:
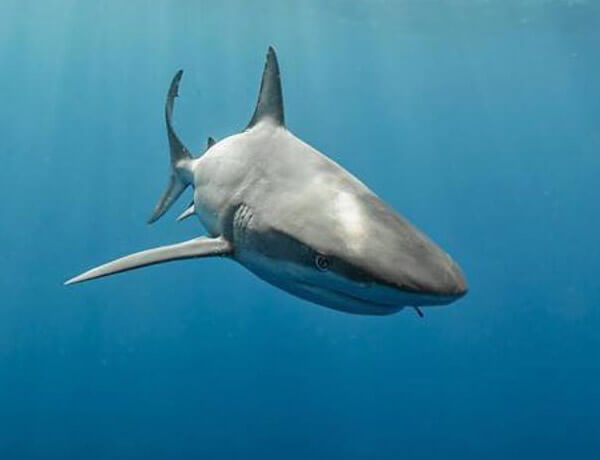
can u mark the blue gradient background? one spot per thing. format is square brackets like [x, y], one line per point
[478, 120]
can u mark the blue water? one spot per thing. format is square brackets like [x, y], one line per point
[478, 120]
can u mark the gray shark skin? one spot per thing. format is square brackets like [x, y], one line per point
[296, 219]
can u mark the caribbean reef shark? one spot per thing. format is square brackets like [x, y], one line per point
[296, 219]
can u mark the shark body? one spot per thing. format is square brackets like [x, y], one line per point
[296, 219]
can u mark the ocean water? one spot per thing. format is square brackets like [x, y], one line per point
[477, 120]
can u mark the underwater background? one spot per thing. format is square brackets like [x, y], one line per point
[477, 120]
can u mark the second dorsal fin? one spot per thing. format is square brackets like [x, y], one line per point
[270, 99]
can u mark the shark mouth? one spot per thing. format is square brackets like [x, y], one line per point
[352, 303]
[343, 301]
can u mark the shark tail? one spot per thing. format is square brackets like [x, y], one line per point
[181, 158]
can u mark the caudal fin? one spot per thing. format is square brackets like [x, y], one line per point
[180, 157]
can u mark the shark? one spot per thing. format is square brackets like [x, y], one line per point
[296, 219]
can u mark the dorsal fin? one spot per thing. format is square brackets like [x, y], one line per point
[210, 142]
[270, 99]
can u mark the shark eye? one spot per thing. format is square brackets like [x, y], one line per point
[321, 262]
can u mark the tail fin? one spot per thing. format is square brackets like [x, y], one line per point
[180, 157]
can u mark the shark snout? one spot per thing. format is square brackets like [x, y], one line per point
[438, 278]
[453, 283]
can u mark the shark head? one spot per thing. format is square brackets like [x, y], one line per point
[351, 252]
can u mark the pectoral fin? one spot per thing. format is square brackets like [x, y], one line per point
[198, 247]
